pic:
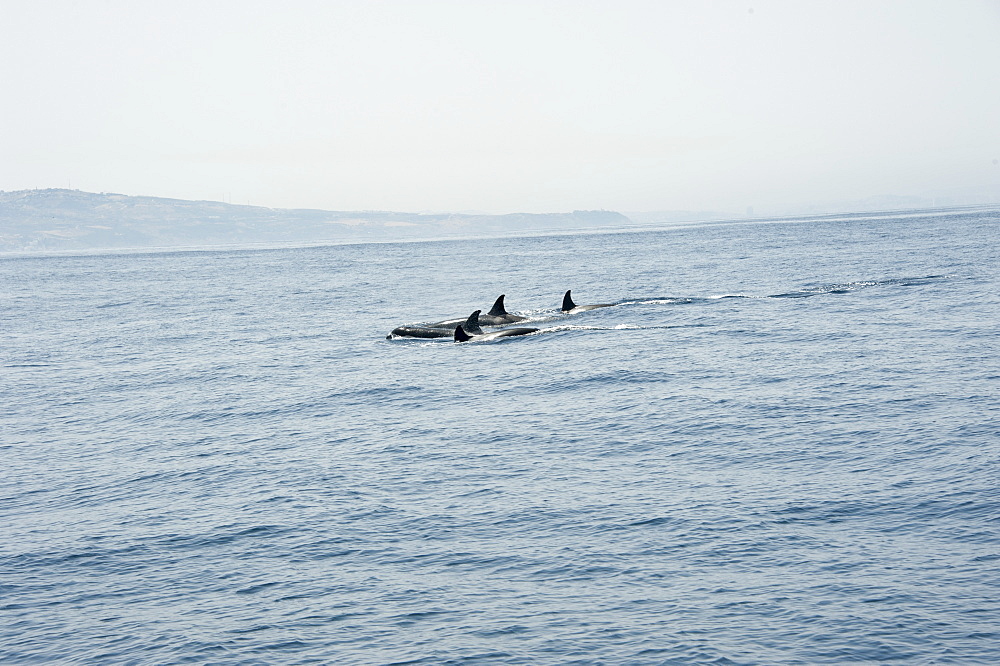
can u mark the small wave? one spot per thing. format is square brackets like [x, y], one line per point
[795, 294]
[254, 589]
[652, 522]
[662, 300]
[847, 287]
[834, 288]
[621, 327]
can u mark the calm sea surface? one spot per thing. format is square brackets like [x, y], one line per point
[780, 446]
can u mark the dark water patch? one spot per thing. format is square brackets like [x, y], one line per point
[612, 379]
[662, 520]
[251, 630]
[415, 661]
[987, 558]
[86, 559]
[254, 589]
[417, 616]
[509, 630]
[221, 537]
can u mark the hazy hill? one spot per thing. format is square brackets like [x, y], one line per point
[58, 219]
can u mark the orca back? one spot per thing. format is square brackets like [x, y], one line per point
[568, 303]
[511, 332]
[498, 309]
[471, 325]
[418, 332]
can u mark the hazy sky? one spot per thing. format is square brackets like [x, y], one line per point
[501, 106]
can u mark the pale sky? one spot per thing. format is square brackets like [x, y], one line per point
[501, 106]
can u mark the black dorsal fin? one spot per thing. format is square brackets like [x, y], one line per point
[568, 303]
[471, 324]
[461, 335]
[498, 309]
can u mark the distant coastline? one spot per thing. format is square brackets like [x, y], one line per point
[62, 220]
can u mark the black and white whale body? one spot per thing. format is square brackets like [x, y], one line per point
[471, 324]
[462, 336]
[569, 307]
[498, 315]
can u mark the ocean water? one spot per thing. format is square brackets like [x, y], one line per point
[780, 446]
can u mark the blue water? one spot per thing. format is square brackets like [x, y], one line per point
[781, 446]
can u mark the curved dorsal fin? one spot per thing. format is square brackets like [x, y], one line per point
[568, 303]
[498, 309]
[471, 324]
[461, 335]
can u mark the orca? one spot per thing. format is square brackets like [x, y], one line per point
[462, 336]
[471, 325]
[498, 315]
[569, 307]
